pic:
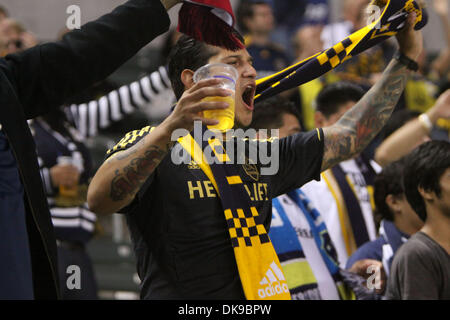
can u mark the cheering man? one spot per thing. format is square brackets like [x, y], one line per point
[184, 245]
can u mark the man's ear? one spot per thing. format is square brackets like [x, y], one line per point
[426, 195]
[392, 202]
[187, 77]
[319, 119]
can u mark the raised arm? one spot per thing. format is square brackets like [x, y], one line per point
[120, 178]
[408, 137]
[46, 75]
[358, 126]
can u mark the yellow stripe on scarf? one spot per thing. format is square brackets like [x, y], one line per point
[259, 269]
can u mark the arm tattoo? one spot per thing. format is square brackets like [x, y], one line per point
[358, 126]
[129, 179]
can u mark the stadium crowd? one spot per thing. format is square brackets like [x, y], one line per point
[373, 225]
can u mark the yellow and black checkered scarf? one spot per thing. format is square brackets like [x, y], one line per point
[258, 265]
[392, 19]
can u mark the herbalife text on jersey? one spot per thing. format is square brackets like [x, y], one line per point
[241, 147]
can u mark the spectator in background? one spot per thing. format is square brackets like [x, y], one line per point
[256, 21]
[291, 15]
[421, 267]
[344, 195]
[3, 13]
[397, 219]
[440, 67]
[297, 231]
[353, 19]
[422, 87]
[413, 133]
[14, 36]
[306, 43]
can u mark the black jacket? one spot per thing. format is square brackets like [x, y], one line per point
[41, 79]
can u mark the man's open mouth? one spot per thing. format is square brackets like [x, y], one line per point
[248, 96]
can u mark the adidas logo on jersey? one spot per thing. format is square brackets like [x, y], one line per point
[271, 282]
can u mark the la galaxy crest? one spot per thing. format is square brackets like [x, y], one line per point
[251, 169]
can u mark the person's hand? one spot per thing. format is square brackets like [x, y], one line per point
[368, 269]
[170, 3]
[190, 106]
[441, 109]
[65, 175]
[410, 40]
[441, 7]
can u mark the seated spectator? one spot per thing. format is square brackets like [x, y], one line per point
[413, 133]
[256, 21]
[421, 267]
[344, 194]
[398, 222]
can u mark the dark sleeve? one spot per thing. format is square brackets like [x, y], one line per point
[300, 161]
[48, 74]
[412, 276]
[99, 114]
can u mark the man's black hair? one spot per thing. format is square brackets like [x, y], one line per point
[424, 168]
[188, 53]
[268, 114]
[334, 95]
[387, 182]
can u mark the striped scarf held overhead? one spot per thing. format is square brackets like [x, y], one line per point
[391, 21]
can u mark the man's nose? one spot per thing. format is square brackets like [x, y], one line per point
[249, 72]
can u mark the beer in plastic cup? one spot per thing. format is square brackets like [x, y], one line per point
[65, 191]
[228, 75]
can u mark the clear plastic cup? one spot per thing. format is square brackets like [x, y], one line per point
[228, 74]
[66, 191]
